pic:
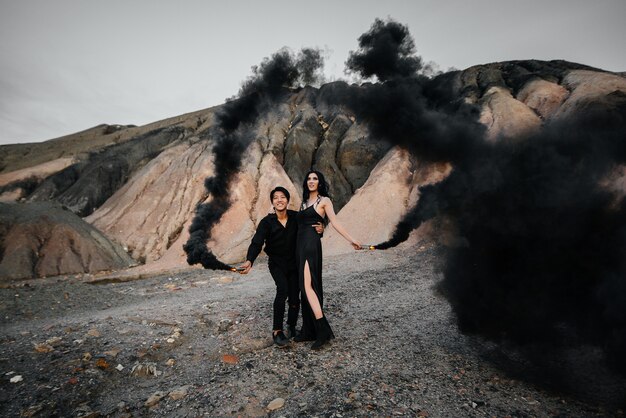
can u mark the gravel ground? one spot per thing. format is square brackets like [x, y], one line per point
[197, 343]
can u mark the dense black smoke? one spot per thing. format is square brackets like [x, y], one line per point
[387, 51]
[543, 260]
[267, 84]
[405, 108]
[543, 243]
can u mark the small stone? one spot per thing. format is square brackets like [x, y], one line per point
[53, 341]
[179, 393]
[276, 404]
[230, 359]
[171, 340]
[102, 363]
[87, 356]
[94, 332]
[112, 353]
[154, 399]
[43, 348]
[146, 369]
[16, 379]
[119, 367]
[170, 362]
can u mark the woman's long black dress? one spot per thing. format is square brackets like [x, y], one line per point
[309, 250]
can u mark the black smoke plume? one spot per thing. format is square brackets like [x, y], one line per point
[387, 51]
[269, 81]
[542, 259]
[405, 108]
[545, 239]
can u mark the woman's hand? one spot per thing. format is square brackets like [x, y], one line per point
[246, 267]
[356, 245]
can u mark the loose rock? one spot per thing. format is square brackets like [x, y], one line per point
[179, 393]
[154, 399]
[276, 404]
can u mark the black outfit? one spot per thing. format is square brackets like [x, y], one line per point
[280, 246]
[310, 251]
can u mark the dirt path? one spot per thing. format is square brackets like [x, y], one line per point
[202, 339]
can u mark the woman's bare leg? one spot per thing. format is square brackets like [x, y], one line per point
[310, 293]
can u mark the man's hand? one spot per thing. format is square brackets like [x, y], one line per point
[247, 266]
[319, 228]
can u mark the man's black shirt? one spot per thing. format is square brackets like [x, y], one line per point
[279, 240]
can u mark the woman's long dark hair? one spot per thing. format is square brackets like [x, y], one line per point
[322, 187]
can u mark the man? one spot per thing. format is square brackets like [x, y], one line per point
[278, 232]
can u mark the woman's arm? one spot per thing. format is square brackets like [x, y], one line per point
[327, 204]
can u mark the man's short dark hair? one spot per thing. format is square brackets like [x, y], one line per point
[279, 189]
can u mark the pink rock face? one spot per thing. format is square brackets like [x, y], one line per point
[147, 214]
[250, 197]
[231, 236]
[543, 97]
[587, 87]
[389, 192]
[506, 116]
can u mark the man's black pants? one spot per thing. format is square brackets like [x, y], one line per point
[285, 275]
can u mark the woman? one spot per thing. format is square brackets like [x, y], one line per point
[316, 206]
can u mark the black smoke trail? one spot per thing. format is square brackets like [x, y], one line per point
[269, 81]
[542, 260]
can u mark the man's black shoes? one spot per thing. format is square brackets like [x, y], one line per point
[280, 340]
[291, 332]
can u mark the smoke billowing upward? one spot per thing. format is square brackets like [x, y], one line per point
[404, 108]
[545, 241]
[542, 259]
[387, 51]
[268, 82]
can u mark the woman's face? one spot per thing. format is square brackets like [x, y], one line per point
[312, 182]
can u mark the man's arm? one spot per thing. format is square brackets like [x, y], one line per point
[256, 245]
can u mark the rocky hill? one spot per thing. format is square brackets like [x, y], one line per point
[139, 186]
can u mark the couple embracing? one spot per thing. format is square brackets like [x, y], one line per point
[293, 244]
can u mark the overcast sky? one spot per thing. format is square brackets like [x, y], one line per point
[68, 65]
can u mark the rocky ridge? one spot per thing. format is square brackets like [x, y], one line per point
[140, 185]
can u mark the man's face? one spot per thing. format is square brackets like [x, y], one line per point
[280, 201]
